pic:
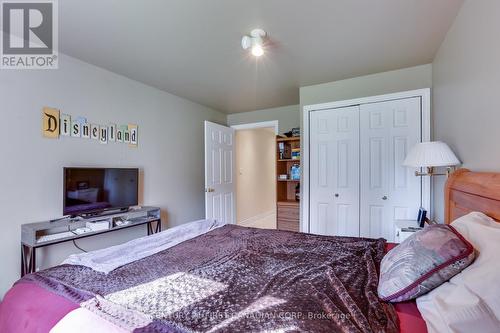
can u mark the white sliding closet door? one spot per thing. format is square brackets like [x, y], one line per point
[334, 176]
[389, 191]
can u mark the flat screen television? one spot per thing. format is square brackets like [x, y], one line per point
[95, 190]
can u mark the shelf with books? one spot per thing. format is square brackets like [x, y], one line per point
[287, 186]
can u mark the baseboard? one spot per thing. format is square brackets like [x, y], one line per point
[252, 220]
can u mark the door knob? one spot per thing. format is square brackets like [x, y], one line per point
[384, 197]
[336, 195]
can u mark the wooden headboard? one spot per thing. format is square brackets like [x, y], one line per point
[468, 191]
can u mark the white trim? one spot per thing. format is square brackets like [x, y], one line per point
[426, 136]
[365, 100]
[424, 94]
[263, 124]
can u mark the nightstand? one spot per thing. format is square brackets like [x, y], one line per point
[404, 229]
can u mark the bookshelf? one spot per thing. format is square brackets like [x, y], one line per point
[286, 199]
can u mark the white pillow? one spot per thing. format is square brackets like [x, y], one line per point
[470, 301]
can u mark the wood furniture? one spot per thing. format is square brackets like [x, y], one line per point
[468, 191]
[288, 207]
[32, 234]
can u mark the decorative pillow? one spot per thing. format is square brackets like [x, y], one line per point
[422, 262]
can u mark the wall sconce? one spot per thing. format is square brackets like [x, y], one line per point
[430, 155]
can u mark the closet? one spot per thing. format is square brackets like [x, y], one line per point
[357, 183]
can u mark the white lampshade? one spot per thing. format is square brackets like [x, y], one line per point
[431, 154]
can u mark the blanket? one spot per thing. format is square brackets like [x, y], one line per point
[236, 279]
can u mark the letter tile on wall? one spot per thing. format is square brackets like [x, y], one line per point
[56, 124]
[50, 123]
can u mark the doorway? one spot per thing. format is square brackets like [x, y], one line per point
[255, 170]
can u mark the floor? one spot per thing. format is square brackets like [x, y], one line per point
[263, 221]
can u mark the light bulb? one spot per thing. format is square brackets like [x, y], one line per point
[257, 50]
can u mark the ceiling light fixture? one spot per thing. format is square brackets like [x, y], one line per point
[255, 42]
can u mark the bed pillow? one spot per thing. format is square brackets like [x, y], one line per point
[470, 301]
[423, 262]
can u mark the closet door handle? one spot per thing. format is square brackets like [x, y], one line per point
[384, 197]
[336, 195]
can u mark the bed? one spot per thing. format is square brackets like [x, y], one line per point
[71, 298]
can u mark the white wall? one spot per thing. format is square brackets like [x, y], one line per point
[364, 86]
[255, 160]
[466, 77]
[369, 85]
[170, 151]
[287, 116]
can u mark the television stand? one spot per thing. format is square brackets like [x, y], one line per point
[42, 234]
[103, 213]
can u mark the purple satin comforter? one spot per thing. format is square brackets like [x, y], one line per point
[236, 278]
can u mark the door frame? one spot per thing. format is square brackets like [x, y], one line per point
[262, 124]
[424, 94]
[248, 126]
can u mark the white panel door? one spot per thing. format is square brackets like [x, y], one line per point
[334, 172]
[389, 191]
[219, 173]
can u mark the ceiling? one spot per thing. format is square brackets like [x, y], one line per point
[191, 48]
